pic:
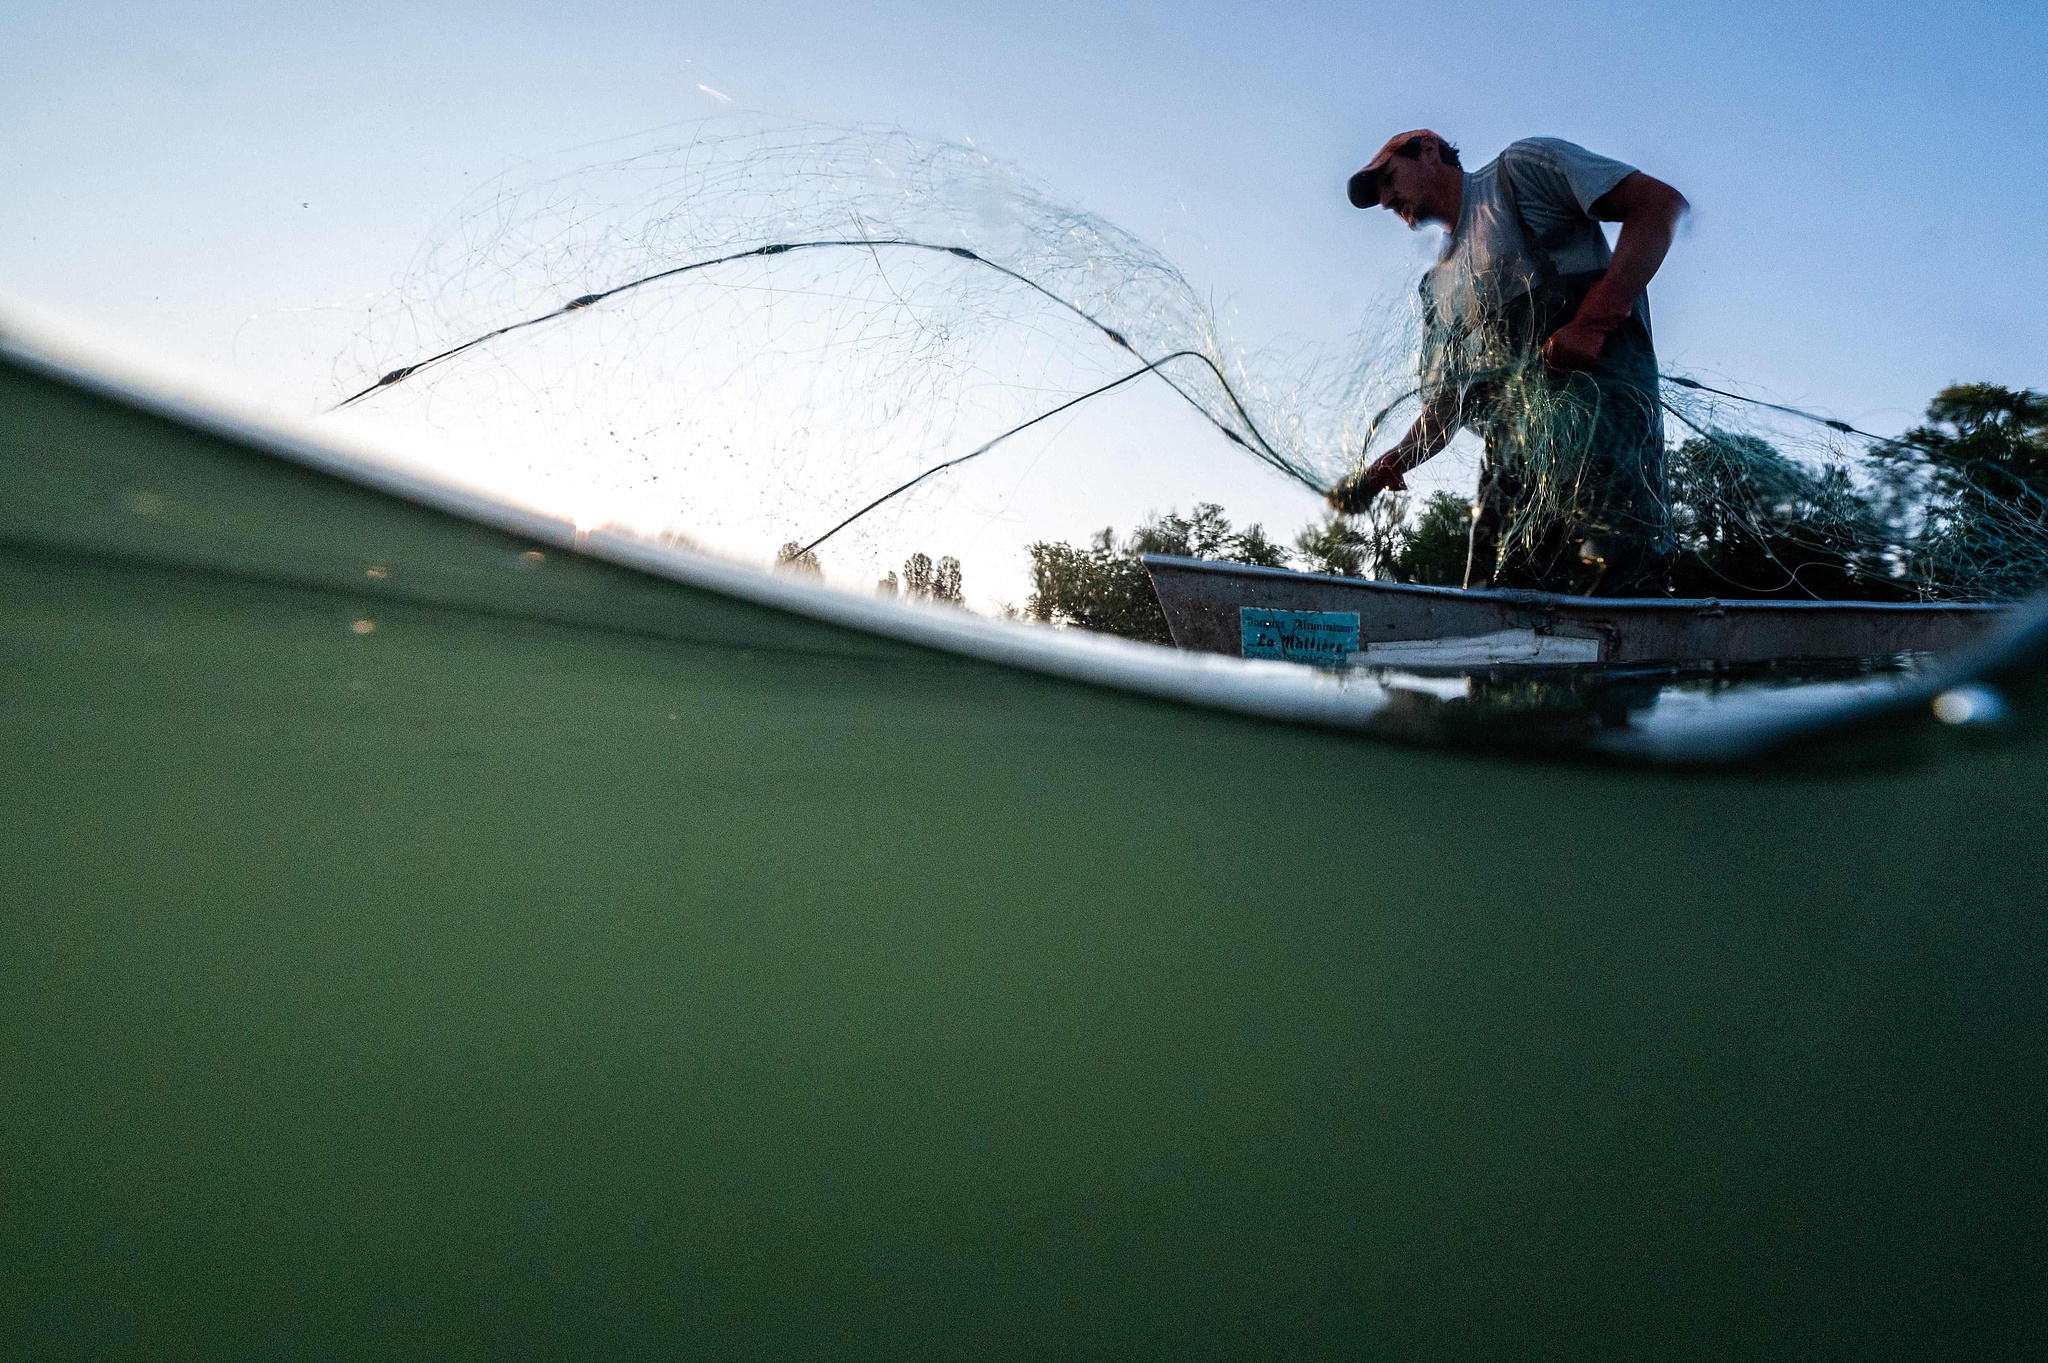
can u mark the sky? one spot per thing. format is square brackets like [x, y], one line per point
[1868, 180]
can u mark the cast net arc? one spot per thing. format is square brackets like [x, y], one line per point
[796, 332]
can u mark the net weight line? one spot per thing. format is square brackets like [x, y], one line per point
[982, 449]
[1257, 445]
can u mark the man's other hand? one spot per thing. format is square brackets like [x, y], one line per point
[1574, 347]
[1355, 493]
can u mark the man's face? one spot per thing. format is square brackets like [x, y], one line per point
[1402, 188]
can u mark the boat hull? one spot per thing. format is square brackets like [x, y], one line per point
[1228, 608]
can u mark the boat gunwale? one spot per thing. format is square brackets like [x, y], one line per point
[1533, 600]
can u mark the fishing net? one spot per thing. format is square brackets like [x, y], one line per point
[783, 334]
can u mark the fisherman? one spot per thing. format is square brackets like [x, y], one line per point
[1537, 338]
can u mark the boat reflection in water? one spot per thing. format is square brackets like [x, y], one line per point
[1566, 706]
[1658, 679]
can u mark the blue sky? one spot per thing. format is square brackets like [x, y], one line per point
[1868, 179]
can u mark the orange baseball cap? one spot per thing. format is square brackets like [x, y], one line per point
[1364, 187]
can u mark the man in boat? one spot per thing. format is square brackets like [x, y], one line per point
[1537, 338]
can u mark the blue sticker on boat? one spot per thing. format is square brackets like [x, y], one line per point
[1327, 637]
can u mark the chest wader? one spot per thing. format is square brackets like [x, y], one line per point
[1571, 491]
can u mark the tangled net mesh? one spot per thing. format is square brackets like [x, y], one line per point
[773, 331]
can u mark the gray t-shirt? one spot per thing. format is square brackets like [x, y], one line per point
[1489, 260]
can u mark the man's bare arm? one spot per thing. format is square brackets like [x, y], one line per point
[1425, 440]
[1648, 211]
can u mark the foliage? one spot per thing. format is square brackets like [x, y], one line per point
[1988, 438]
[1977, 474]
[1385, 541]
[1753, 524]
[1364, 545]
[797, 559]
[1434, 550]
[1207, 534]
[1105, 587]
[925, 581]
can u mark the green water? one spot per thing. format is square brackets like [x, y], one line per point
[472, 987]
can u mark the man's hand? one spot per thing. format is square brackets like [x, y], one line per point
[1355, 493]
[1432, 430]
[1648, 211]
[1575, 346]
